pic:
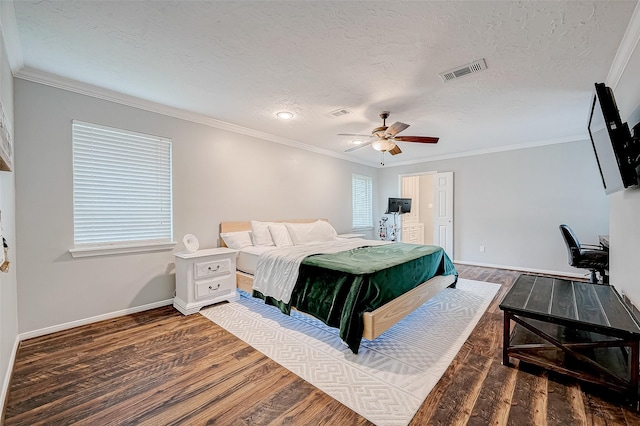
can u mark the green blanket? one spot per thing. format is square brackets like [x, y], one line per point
[367, 260]
[338, 288]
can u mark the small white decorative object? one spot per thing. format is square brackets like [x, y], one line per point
[191, 243]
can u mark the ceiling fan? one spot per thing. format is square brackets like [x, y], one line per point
[384, 138]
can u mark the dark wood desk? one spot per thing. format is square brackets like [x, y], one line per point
[575, 328]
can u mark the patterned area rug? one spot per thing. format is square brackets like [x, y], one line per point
[387, 381]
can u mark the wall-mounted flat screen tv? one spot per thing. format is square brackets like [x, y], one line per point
[399, 205]
[611, 141]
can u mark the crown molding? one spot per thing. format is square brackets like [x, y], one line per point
[8, 27]
[625, 50]
[75, 86]
[10, 36]
[514, 147]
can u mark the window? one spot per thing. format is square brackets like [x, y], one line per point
[121, 189]
[362, 199]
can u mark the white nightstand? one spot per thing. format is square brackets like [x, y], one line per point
[205, 277]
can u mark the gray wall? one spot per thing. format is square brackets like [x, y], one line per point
[217, 175]
[512, 203]
[8, 283]
[625, 205]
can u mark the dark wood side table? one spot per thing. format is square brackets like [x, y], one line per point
[575, 328]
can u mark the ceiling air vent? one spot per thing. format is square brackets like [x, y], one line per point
[339, 112]
[463, 70]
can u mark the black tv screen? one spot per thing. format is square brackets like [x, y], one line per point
[611, 141]
[399, 205]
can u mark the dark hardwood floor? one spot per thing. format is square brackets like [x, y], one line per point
[159, 367]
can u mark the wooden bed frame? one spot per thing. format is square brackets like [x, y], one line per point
[377, 321]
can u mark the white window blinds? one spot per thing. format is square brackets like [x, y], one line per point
[362, 198]
[121, 186]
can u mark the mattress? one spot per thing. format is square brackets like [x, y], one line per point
[248, 258]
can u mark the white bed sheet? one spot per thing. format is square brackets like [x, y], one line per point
[248, 258]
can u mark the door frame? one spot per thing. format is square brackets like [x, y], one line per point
[450, 250]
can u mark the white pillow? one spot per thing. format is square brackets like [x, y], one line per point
[280, 235]
[260, 233]
[237, 240]
[317, 232]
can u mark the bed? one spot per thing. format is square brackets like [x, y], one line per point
[363, 287]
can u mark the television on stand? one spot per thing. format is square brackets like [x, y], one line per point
[617, 153]
[396, 206]
[399, 206]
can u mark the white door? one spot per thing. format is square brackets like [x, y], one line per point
[443, 212]
[411, 189]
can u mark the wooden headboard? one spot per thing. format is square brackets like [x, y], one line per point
[246, 226]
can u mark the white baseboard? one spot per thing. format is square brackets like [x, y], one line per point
[7, 377]
[65, 326]
[520, 268]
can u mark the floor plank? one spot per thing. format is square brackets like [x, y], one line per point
[159, 367]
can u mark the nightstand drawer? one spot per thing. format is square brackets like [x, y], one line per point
[212, 288]
[211, 268]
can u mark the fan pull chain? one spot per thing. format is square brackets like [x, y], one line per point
[382, 158]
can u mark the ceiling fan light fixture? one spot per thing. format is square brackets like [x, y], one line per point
[383, 139]
[379, 131]
[383, 145]
[284, 115]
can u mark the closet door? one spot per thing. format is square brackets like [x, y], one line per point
[443, 217]
[412, 229]
[411, 189]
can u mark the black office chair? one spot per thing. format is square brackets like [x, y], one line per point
[586, 256]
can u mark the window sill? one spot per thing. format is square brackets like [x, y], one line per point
[120, 249]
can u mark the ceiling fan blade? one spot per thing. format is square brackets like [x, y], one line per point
[396, 150]
[396, 128]
[354, 134]
[419, 139]
[353, 148]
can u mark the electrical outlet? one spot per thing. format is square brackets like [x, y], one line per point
[481, 249]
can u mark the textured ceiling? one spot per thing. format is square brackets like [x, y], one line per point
[241, 62]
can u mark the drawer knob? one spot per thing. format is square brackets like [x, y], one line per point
[213, 270]
[217, 287]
